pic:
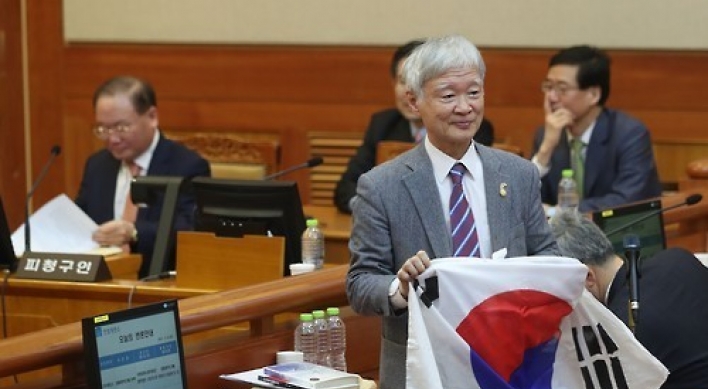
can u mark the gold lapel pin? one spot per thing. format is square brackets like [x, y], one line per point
[502, 189]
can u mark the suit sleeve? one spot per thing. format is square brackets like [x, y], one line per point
[83, 196]
[372, 266]
[635, 175]
[363, 161]
[539, 238]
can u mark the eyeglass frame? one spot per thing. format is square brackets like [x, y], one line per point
[104, 132]
[561, 88]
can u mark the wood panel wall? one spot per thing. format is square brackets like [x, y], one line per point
[12, 153]
[287, 91]
[290, 91]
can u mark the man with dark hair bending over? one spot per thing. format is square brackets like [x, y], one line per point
[673, 290]
[126, 117]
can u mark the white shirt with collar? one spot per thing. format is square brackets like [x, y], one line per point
[473, 187]
[124, 177]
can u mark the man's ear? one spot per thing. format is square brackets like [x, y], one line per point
[151, 114]
[412, 100]
[591, 279]
[594, 94]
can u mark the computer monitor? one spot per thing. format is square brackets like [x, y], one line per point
[8, 260]
[650, 230]
[248, 207]
[135, 348]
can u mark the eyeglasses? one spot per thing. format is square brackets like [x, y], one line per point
[561, 89]
[103, 132]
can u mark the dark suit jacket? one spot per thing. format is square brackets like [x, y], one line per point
[673, 314]
[388, 124]
[398, 211]
[619, 164]
[98, 185]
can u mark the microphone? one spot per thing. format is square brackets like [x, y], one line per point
[56, 150]
[632, 253]
[312, 162]
[690, 200]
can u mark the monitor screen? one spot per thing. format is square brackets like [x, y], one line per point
[8, 260]
[247, 207]
[135, 348]
[650, 230]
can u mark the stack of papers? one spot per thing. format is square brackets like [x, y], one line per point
[60, 226]
[297, 375]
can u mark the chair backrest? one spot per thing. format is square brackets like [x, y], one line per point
[336, 149]
[234, 156]
[389, 149]
[508, 147]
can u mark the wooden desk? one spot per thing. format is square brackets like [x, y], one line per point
[212, 347]
[34, 305]
[336, 227]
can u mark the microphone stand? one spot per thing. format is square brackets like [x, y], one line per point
[54, 152]
[310, 163]
[632, 253]
[690, 200]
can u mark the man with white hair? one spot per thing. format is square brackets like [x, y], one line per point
[449, 196]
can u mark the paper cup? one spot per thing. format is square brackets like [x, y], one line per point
[288, 356]
[300, 268]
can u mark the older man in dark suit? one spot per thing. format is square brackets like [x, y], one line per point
[127, 121]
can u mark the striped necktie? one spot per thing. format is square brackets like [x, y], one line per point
[465, 242]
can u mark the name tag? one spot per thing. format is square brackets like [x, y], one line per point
[63, 267]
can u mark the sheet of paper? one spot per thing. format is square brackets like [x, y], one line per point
[59, 226]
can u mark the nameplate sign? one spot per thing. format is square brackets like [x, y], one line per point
[63, 267]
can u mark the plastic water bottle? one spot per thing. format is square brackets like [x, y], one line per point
[337, 340]
[321, 338]
[313, 250]
[568, 191]
[305, 338]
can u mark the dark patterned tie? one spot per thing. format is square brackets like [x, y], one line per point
[465, 242]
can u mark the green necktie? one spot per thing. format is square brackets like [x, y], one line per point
[578, 164]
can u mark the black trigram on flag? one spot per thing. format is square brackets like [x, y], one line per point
[598, 358]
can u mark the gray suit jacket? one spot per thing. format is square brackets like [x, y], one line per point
[398, 212]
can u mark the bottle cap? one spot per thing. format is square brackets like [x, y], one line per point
[318, 314]
[311, 222]
[306, 317]
[567, 173]
[333, 311]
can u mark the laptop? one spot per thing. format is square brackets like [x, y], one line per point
[642, 219]
[135, 348]
[8, 260]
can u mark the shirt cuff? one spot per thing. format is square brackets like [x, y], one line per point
[542, 170]
[394, 295]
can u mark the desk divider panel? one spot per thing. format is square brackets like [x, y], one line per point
[206, 260]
